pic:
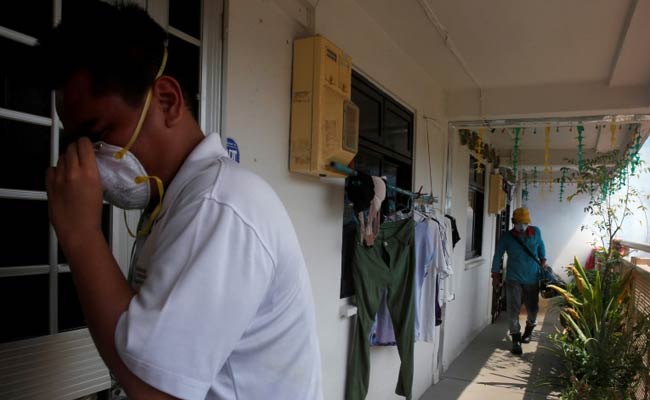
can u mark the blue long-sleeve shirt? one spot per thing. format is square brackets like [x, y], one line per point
[522, 267]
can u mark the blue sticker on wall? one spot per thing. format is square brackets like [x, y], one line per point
[233, 149]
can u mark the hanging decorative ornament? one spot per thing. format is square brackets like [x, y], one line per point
[635, 157]
[612, 136]
[547, 152]
[550, 179]
[580, 139]
[535, 176]
[525, 192]
[479, 151]
[515, 151]
[622, 177]
[562, 181]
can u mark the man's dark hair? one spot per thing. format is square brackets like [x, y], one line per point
[120, 46]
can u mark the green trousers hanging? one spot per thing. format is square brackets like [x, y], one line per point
[387, 265]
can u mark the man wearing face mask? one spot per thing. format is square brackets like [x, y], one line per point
[218, 303]
[526, 252]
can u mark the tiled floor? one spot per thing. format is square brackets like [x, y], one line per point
[487, 370]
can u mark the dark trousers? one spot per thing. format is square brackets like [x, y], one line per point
[387, 265]
[516, 293]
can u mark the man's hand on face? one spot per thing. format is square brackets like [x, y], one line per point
[74, 192]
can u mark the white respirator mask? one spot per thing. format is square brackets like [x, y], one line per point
[521, 227]
[124, 179]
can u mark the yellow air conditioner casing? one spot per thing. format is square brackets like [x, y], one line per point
[497, 201]
[324, 122]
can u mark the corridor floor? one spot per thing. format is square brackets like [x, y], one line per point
[487, 370]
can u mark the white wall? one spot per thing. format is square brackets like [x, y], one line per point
[469, 312]
[256, 111]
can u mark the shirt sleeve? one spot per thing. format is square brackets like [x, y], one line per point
[438, 262]
[205, 281]
[541, 249]
[498, 253]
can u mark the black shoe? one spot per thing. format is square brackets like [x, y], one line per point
[527, 334]
[516, 344]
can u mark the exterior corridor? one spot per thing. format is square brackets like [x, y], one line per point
[486, 370]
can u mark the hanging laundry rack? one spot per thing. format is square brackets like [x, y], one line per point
[349, 171]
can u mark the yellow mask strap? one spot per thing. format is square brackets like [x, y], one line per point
[156, 211]
[147, 102]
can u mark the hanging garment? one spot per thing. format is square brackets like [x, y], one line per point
[438, 305]
[370, 228]
[425, 252]
[444, 226]
[382, 333]
[388, 265]
[455, 236]
[430, 298]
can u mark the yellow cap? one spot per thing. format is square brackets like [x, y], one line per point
[521, 216]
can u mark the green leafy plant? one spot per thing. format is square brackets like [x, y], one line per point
[604, 341]
[605, 179]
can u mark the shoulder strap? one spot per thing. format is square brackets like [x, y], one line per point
[528, 251]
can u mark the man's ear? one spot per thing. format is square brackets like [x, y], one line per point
[168, 94]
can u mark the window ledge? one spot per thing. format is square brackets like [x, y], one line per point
[474, 262]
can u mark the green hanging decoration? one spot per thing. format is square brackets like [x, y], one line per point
[622, 177]
[580, 145]
[562, 181]
[635, 157]
[535, 176]
[515, 151]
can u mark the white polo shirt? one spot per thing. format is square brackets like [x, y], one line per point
[225, 308]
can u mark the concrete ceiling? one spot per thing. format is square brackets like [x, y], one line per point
[514, 43]
[529, 59]
[504, 58]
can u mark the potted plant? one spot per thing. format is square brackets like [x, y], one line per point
[603, 342]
